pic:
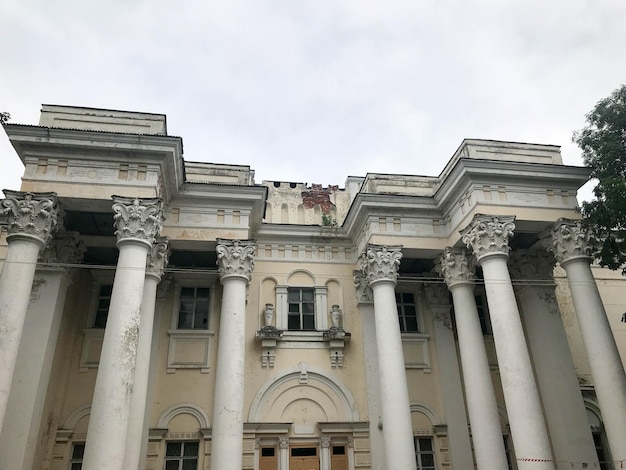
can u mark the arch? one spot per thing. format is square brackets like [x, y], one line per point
[186, 408]
[268, 212]
[593, 409]
[284, 214]
[425, 410]
[290, 380]
[75, 416]
[301, 214]
[300, 275]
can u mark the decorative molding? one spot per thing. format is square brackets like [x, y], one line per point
[283, 442]
[235, 258]
[364, 292]
[457, 266]
[325, 442]
[135, 218]
[64, 248]
[183, 408]
[189, 349]
[158, 257]
[380, 263]
[488, 235]
[437, 295]
[32, 214]
[570, 240]
[531, 266]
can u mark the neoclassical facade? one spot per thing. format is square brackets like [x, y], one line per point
[158, 313]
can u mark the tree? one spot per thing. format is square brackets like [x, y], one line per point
[4, 117]
[603, 144]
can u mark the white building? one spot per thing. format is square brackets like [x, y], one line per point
[163, 314]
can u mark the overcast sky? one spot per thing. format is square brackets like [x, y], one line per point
[314, 91]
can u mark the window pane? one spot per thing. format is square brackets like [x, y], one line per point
[101, 319]
[408, 298]
[293, 295]
[190, 464]
[76, 466]
[308, 308]
[409, 311]
[398, 297]
[339, 450]
[171, 465]
[268, 452]
[191, 449]
[201, 321]
[105, 291]
[308, 322]
[173, 449]
[303, 452]
[308, 295]
[294, 308]
[428, 460]
[202, 293]
[184, 320]
[425, 444]
[77, 451]
[411, 324]
[293, 322]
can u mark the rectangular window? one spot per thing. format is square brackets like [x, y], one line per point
[425, 453]
[407, 312]
[301, 304]
[601, 450]
[102, 309]
[193, 313]
[76, 461]
[182, 455]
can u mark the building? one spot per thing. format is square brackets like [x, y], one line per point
[163, 314]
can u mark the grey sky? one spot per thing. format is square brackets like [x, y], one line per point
[314, 91]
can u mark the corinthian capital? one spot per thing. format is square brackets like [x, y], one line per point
[30, 214]
[380, 263]
[488, 234]
[570, 240]
[457, 266]
[363, 290]
[158, 257]
[531, 266]
[65, 248]
[141, 219]
[235, 257]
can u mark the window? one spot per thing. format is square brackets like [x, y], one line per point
[424, 453]
[301, 308]
[407, 312]
[193, 313]
[182, 455]
[76, 461]
[509, 453]
[601, 449]
[102, 309]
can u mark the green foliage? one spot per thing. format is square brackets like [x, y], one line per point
[328, 221]
[4, 117]
[603, 144]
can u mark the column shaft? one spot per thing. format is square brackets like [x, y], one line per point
[110, 409]
[528, 428]
[227, 436]
[397, 427]
[481, 400]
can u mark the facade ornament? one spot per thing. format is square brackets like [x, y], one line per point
[531, 266]
[337, 337]
[268, 315]
[336, 316]
[363, 290]
[283, 442]
[381, 263]
[30, 214]
[269, 336]
[64, 248]
[158, 257]
[141, 219]
[235, 257]
[488, 234]
[570, 239]
[437, 294]
[325, 442]
[457, 266]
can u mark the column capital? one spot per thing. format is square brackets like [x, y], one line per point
[531, 266]
[64, 248]
[325, 442]
[30, 215]
[488, 235]
[570, 240]
[137, 219]
[380, 263]
[158, 257]
[457, 266]
[364, 293]
[235, 258]
[283, 442]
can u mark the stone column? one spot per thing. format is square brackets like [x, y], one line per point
[31, 219]
[325, 453]
[236, 262]
[438, 299]
[380, 265]
[489, 236]
[283, 453]
[365, 304]
[572, 248]
[156, 262]
[137, 223]
[458, 270]
[21, 432]
[554, 368]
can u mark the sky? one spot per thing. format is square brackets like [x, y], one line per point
[315, 91]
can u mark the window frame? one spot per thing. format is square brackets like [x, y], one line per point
[419, 452]
[402, 316]
[76, 460]
[300, 302]
[196, 284]
[321, 312]
[182, 457]
[178, 306]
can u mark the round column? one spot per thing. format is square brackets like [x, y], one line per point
[572, 248]
[488, 236]
[458, 270]
[325, 453]
[155, 265]
[283, 453]
[236, 262]
[137, 221]
[31, 218]
[380, 265]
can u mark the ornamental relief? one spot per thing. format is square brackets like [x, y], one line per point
[235, 257]
[456, 266]
[380, 262]
[364, 292]
[158, 257]
[570, 238]
[488, 234]
[529, 266]
[137, 218]
[30, 213]
[65, 248]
